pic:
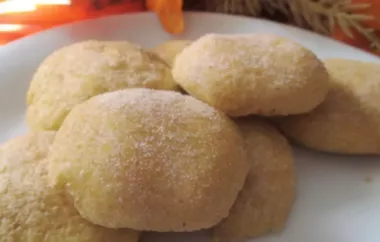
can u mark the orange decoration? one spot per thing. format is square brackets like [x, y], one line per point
[359, 40]
[36, 16]
[373, 10]
[170, 14]
[46, 15]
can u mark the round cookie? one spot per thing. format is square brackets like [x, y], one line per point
[149, 160]
[82, 70]
[32, 211]
[266, 200]
[252, 74]
[169, 50]
[348, 121]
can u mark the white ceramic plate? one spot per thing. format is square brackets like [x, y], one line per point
[338, 197]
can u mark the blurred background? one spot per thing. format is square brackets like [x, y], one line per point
[355, 22]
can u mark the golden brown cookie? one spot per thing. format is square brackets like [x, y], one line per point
[265, 202]
[348, 121]
[149, 160]
[169, 50]
[85, 69]
[32, 211]
[252, 74]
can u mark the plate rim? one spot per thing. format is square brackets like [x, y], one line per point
[186, 14]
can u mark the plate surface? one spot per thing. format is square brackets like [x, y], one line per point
[338, 197]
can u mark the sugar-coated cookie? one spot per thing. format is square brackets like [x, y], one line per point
[248, 74]
[169, 50]
[264, 204]
[348, 121]
[82, 70]
[32, 211]
[149, 160]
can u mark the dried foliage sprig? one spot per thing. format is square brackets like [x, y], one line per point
[322, 16]
[245, 7]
